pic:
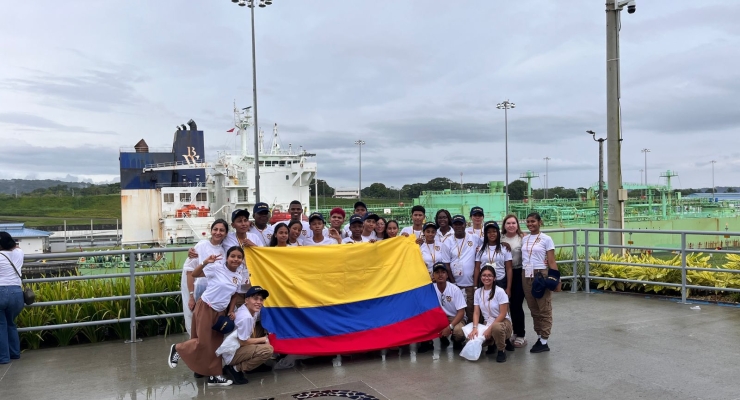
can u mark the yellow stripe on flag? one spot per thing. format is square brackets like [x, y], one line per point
[311, 276]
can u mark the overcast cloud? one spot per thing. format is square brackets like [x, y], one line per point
[418, 80]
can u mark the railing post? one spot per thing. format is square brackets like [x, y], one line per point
[587, 280]
[574, 282]
[683, 268]
[132, 293]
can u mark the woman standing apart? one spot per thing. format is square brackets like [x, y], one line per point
[513, 236]
[199, 353]
[492, 304]
[538, 255]
[192, 288]
[11, 297]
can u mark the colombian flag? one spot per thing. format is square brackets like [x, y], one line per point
[348, 298]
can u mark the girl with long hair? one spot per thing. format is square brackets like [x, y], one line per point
[280, 235]
[495, 254]
[512, 235]
[492, 304]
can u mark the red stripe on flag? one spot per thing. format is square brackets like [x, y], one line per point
[423, 327]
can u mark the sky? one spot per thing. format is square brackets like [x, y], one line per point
[417, 80]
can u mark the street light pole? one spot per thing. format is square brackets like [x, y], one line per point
[646, 151]
[251, 4]
[360, 143]
[506, 105]
[713, 187]
[601, 188]
[547, 174]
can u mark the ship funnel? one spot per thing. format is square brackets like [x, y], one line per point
[192, 125]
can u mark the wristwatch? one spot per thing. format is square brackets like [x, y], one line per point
[191, 293]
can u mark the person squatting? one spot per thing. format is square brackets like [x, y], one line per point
[482, 274]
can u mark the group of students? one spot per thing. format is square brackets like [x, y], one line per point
[481, 276]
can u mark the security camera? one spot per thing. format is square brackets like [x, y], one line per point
[631, 7]
[242, 3]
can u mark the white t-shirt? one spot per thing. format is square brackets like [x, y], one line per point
[8, 277]
[350, 240]
[451, 300]
[306, 232]
[433, 253]
[475, 232]
[326, 242]
[441, 237]
[222, 284]
[490, 309]
[516, 250]
[410, 230]
[498, 259]
[371, 236]
[461, 256]
[245, 322]
[260, 237]
[205, 248]
[534, 251]
[296, 244]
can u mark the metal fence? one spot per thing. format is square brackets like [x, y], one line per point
[581, 247]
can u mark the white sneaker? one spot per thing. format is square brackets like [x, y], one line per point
[219, 380]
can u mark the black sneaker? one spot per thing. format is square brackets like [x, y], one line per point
[491, 349]
[539, 347]
[198, 376]
[219, 380]
[444, 342]
[458, 345]
[509, 345]
[424, 347]
[236, 376]
[173, 358]
[501, 356]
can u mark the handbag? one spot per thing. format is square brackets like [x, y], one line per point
[29, 297]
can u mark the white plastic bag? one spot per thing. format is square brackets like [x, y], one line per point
[473, 348]
[228, 348]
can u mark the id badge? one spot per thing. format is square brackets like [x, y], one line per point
[528, 271]
[457, 269]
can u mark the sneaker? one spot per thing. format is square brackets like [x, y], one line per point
[173, 358]
[219, 380]
[491, 349]
[444, 342]
[539, 347]
[236, 376]
[425, 346]
[198, 376]
[509, 346]
[458, 345]
[501, 356]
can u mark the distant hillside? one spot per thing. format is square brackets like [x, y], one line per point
[10, 186]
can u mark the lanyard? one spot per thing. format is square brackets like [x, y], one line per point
[445, 237]
[537, 239]
[460, 247]
[431, 251]
[264, 239]
[488, 303]
[490, 259]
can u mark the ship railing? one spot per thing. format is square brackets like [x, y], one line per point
[582, 243]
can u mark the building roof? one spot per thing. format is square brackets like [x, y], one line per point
[18, 230]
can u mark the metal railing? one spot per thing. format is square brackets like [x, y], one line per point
[131, 296]
[576, 277]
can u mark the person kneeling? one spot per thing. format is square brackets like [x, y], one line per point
[452, 301]
[253, 349]
[493, 304]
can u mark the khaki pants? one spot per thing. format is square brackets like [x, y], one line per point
[457, 332]
[541, 309]
[251, 356]
[470, 307]
[500, 331]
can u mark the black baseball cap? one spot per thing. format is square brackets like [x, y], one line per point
[372, 216]
[439, 265]
[360, 204]
[256, 290]
[260, 207]
[238, 213]
[316, 215]
[476, 210]
[458, 218]
[429, 225]
[355, 218]
[489, 224]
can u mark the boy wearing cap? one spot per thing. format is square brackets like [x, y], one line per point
[368, 227]
[261, 232]
[476, 216]
[461, 251]
[254, 346]
[418, 213]
[452, 301]
[359, 209]
[316, 221]
[356, 227]
[296, 211]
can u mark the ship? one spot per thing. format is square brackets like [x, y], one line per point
[172, 196]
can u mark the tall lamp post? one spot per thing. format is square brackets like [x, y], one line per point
[506, 105]
[250, 4]
[713, 190]
[547, 174]
[601, 187]
[645, 151]
[360, 143]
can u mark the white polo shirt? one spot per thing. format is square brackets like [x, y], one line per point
[326, 242]
[534, 252]
[451, 300]
[472, 231]
[204, 248]
[461, 256]
[441, 237]
[411, 232]
[260, 237]
[306, 231]
[222, 284]
[490, 309]
[433, 253]
[497, 259]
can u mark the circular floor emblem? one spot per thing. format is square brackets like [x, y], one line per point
[348, 394]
